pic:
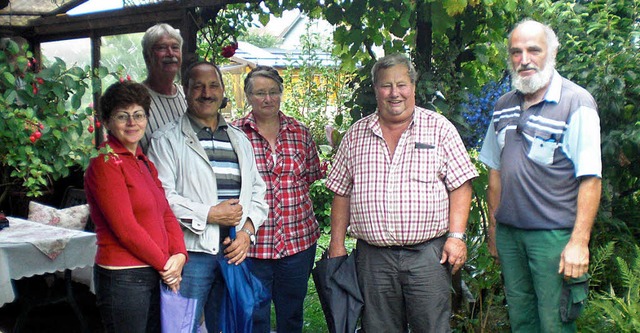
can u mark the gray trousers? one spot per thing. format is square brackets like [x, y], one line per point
[404, 288]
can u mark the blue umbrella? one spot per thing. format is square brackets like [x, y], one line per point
[242, 294]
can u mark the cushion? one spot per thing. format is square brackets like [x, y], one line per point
[71, 218]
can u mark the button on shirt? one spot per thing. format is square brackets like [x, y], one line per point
[401, 199]
[288, 172]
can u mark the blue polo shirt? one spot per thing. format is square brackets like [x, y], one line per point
[541, 153]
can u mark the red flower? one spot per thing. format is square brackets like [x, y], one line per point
[98, 124]
[35, 88]
[90, 129]
[39, 80]
[33, 139]
[37, 134]
[228, 51]
[128, 77]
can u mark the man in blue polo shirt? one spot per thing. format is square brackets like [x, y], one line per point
[543, 151]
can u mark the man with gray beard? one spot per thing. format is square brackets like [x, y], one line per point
[162, 51]
[543, 153]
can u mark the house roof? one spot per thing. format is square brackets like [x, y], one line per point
[276, 57]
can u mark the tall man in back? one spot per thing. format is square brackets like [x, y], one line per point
[162, 51]
[543, 151]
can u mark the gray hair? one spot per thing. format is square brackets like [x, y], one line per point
[390, 61]
[552, 40]
[154, 33]
[262, 71]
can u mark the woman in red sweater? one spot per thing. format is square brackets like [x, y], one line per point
[139, 239]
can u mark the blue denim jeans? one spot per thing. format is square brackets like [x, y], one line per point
[201, 279]
[128, 299]
[286, 281]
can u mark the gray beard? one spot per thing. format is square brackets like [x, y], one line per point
[535, 82]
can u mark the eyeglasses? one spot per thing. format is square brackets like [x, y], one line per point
[263, 94]
[123, 117]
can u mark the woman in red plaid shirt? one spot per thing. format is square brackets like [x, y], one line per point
[288, 162]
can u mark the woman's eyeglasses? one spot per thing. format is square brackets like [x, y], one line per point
[264, 94]
[123, 118]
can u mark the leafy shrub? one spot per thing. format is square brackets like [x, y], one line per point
[45, 133]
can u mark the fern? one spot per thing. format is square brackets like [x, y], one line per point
[599, 260]
[621, 314]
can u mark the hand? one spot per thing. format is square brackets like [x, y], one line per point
[172, 273]
[227, 213]
[236, 250]
[491, 244]
[454, 252]
[574, 260]
[337, 250]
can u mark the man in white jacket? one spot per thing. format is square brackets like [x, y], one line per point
[209, 174]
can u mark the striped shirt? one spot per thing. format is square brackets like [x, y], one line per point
[164, 109]
[222, 157]
[401, 199]
[288, 172]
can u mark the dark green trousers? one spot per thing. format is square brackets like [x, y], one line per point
[530, 261]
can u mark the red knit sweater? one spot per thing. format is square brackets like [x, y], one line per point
[134, 223]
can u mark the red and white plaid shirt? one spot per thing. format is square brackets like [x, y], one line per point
[401, 199]
[291, 226]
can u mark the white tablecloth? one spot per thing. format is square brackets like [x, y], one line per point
[19, 257]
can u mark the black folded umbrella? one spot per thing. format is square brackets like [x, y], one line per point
[339, 292]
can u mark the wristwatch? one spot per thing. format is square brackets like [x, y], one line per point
[252, 237]
[459, 235]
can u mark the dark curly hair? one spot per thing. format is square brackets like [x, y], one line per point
[122, 95]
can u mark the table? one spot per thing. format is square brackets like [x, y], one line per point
[20, 258]
[29, 248]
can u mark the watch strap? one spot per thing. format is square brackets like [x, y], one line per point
[252, 236]
[458, 235]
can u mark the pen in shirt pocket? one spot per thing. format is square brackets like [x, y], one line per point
[420, 145]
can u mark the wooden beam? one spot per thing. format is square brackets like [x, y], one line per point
[126, 20]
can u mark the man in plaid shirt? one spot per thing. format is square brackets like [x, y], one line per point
[288, 162]
[402, 183]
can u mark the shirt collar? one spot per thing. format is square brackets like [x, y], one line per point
[286, 123]
[120, 149]
[555, 87]
[197, 126]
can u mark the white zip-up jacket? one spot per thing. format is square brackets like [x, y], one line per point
[190, 182]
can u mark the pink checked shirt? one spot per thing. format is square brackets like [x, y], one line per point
[404, 200]
[291, 226]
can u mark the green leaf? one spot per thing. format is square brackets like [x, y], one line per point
[11, 80]
[333, 13]
[76, 101]
[454, 7]
[264, 18]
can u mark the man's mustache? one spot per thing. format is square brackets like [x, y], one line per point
[527, 68]
[206, 99]
[170, 60]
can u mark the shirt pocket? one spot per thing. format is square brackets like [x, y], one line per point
[543, 148]
[424, 164]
